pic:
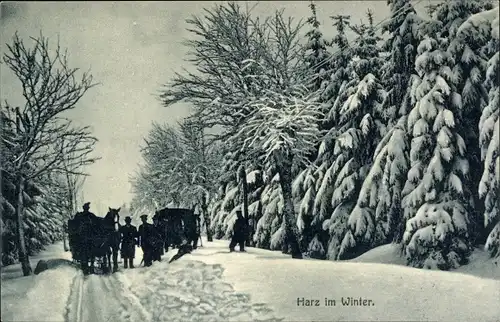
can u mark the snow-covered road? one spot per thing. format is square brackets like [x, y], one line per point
[180, 291]
[103, 298]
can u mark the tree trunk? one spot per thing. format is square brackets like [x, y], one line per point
[291, 231]
[21, 247]
[206, 219]
[65, 242]
[244, 188]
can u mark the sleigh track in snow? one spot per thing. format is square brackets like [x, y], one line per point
[103, 298]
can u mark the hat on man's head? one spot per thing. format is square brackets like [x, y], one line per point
[144, 216]
[128, 219]
[86, 205]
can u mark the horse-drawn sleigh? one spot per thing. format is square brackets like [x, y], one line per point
[95, 241]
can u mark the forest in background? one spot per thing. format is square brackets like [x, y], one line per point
[332, 147]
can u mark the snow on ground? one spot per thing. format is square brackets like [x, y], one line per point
[480, 262]
[45, 295]
[385, 254]
[212, 284]
[399, 293]
[188, 290]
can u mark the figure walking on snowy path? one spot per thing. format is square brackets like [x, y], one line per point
[129, 234]
[239, 233]
[145, 240]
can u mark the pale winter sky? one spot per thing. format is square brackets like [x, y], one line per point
[132, 48]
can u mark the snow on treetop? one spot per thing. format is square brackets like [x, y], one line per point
[485, 19]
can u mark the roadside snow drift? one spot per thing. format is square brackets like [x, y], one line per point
[40, 297]
[481, 264]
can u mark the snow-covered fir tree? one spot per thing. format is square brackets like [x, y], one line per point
[229, 197]
[401, 47]
[311, 188]
[268, 234]
[304, 190]
[381, 190]
[490, 141]
[341, 70]
[481, 30]
[316, 55]
[437, 201]
[469, 69]
[359, 128]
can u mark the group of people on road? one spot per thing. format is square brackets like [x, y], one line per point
[153, 240]
[150, 237]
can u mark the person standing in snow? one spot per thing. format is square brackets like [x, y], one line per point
[198, 231]
[145, 240]
[86, 221]
[128, 235]
[239, 232]
[157, 239]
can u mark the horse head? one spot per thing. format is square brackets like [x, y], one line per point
[113, 217]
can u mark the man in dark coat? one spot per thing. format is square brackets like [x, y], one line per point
[85, 221]
[239, 233]
[189, 229]
[145, 240]
[128, 235]
[157, 239]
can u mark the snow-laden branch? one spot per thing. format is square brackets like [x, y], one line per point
[180, 166]
[282, 125]
[238, 58]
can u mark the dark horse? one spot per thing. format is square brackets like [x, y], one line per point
[112, 227]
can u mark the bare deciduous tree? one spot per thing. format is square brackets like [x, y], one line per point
[44, 141]
[204, 162]
[231, 53]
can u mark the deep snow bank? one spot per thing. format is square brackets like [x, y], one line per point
[40, 297]
[480, 263]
